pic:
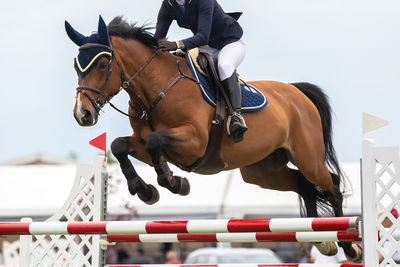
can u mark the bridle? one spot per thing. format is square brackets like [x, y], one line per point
[97, 103]
[101, 101]
[139, 104]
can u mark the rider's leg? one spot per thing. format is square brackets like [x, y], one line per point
[237, 126]
[229, 59]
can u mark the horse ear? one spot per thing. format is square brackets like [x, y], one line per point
[75, 36]
[103, 32]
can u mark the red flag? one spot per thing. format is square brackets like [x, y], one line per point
[100, 143]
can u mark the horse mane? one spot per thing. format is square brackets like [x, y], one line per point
[121, 28]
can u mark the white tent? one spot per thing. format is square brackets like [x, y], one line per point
[34, 190]
[39, 190]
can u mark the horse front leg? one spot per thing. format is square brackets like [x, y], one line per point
[121, 148]
[172, 138]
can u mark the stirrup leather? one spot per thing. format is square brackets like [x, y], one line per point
[228, 122]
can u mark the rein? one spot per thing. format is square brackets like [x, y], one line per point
[141, 106]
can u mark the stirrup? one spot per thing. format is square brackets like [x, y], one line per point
[228, 122]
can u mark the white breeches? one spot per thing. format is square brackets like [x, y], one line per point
[228, 58]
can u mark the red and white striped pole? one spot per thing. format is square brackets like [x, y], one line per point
[242, 265]
[188, 226]
[238, 237]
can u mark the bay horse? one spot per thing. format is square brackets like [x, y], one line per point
[171, 122]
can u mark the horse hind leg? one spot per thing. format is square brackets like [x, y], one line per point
[330, 199]
[320, 190]
[273, 173]
[270, 173]
[311, 199]
[352, 251]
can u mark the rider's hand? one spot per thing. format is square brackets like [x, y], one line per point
[167, 45]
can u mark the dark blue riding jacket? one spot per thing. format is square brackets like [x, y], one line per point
[205, 18]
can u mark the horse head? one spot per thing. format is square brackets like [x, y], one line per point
[97, 84]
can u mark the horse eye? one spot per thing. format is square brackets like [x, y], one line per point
[103, 65]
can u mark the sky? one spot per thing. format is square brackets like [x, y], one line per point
[350, 48]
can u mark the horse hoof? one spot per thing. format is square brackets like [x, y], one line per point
[181, 187]
[327, 248]
[150, 195]
[185, 187]
[358, 252]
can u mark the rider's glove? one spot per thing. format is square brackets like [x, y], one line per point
[170, 46]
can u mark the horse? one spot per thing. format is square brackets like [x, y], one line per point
[171, 123]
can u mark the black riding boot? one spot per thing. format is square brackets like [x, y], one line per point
[236, 123]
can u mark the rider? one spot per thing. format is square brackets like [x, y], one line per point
[215, 33]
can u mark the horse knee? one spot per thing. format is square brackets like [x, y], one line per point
[119, 148]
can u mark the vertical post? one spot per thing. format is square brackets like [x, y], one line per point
[369, 204]
[24, 249]
[100, 207]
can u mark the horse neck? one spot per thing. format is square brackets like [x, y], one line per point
[154, 78]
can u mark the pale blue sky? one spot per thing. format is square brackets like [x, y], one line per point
[348, 47]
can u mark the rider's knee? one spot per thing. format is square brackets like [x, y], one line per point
[226, 69]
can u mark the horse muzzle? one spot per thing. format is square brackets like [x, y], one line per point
[86, 117]
[85, 112]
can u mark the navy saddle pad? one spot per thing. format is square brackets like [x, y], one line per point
[252, 98]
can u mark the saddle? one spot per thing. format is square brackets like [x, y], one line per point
[204, 71]
[207, 66]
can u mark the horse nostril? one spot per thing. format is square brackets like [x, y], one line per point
[87, 117]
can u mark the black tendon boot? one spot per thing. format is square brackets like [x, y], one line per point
[235, 124]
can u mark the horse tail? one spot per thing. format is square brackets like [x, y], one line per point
[321, 102]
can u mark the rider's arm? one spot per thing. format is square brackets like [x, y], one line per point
[164, 20]
[206, 10]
